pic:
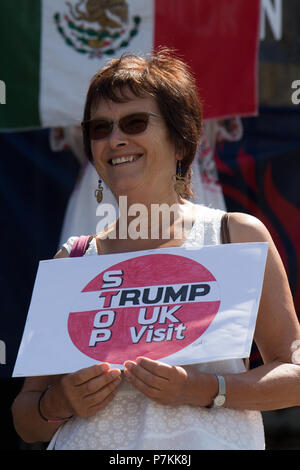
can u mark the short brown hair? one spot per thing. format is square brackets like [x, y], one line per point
[169, 80]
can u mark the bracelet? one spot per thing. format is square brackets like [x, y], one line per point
[52, 420]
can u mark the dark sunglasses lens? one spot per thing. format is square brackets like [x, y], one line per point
[99, 129]
[135, 123]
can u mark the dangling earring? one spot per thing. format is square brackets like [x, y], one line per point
[99, 191]
[180, 183]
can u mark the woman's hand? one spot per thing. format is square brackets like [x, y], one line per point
[85, 392]
[170, 385]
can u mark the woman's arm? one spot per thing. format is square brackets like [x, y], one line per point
[82, 393]
[27, 421]
[276, 384]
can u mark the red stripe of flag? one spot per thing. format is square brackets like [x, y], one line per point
[219, 39]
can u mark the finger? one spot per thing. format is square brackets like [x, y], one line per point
[99, 382]
[155, 367]
[147, 366]
[148, 389]
[99, 397]
[136, 374]
[83, 375]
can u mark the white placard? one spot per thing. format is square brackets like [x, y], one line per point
[176, 305]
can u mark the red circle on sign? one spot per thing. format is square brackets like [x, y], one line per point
[173, 314]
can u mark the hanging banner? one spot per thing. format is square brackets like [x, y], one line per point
[179, 306]
[279, 55]
[52, 48]
[260, 176]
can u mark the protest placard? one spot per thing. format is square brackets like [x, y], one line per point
[176, 305]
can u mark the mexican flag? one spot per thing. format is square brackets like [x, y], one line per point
[50, 49]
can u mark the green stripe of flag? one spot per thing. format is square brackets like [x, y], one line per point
[20, 63]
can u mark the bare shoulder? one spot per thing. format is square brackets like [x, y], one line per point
[62, 253]
[245, 228]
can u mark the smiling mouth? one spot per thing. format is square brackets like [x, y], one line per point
[125, 159]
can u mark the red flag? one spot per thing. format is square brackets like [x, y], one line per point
[219, 39]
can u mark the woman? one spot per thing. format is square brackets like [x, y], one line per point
[142, 121]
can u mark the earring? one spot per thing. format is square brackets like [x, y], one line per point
[180, 183]
[99, 191]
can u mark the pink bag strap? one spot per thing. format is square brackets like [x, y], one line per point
[79, 246]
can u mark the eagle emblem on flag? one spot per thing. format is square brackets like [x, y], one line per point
[97, 27]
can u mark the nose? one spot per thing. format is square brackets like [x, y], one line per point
[117, 138]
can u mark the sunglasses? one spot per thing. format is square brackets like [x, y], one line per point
[131, 124]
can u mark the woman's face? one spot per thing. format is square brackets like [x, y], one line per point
[150, 172]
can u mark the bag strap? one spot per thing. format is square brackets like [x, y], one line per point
[80, 246]
[81, 243]
[225, 235]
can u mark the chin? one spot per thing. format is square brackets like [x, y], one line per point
[126, 184]
[123, 189]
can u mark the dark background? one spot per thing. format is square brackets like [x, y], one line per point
[35, 185]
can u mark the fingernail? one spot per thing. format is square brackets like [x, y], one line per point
[129, 364]
[115, 374]
[140, 359]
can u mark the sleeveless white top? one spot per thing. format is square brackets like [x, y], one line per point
[133, 421]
